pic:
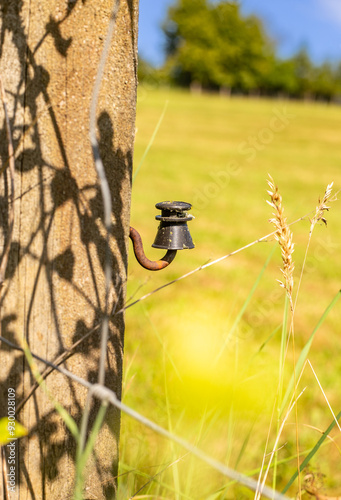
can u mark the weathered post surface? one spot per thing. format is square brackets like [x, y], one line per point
[53, 295]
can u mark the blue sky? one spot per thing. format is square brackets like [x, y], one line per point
[315, 24]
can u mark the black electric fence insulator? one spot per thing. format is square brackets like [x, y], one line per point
[173, 234]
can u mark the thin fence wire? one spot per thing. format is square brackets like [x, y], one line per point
[107, 201]
[105, 394]
[71, 350]
[107, 205]
[205, 266]
[99, 390]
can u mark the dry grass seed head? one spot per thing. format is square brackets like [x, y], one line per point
[283, 235]
[322, 207]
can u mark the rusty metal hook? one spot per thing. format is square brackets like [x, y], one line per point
[172, 234]
[151, 265]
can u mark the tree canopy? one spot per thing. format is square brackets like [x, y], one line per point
[211, 44]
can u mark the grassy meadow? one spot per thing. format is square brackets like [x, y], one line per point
[202, 355]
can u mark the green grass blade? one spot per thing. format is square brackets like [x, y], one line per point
[272, 334]
[246, 303]
[155, 476]
[284, 338]
[150, 143]
[244, 445]
[283, 461]
[82, 460]
[216, 495]
[191, 468]
[305, 351]
[312, 452]
[175, 469]
[94, 432]
[68, 420]
[156, 480]
[10, 432]
[162, 342]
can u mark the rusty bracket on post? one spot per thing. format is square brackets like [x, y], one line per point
[173, 234]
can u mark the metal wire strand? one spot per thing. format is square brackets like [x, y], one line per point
[105, 394]
[107, 202]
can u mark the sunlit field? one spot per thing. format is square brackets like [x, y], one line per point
[202, 355]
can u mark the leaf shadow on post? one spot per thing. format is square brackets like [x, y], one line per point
[56, 187]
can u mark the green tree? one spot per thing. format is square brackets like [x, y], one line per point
[337, 82]
[214, 45]
[304, 73]
[279, 77]
[242, 48]
[190, 42]
[324, 84]
[149, 75]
